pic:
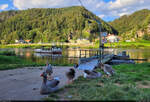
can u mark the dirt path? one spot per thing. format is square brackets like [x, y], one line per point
[25, 83]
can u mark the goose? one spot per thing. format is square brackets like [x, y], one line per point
[49, 70]
[91, 74]
[48, 86]
[76, 65]
[70, 75]
[107, 69]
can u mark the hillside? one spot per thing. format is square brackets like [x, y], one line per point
[50, 24]
[134, 26]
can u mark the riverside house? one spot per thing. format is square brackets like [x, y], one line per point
[112, 38]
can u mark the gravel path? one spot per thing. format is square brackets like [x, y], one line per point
[25, 83]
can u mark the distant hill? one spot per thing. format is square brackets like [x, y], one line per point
[134, 26]
[50, 24]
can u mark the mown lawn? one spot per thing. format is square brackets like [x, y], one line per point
[131, 82]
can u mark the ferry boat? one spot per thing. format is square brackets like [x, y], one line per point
[53, 50]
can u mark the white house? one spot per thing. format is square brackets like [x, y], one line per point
[82, 41]
[19, 41]
[112, 38]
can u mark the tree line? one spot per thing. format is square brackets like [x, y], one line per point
[50, 25]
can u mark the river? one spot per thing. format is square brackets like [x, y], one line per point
[70, 55]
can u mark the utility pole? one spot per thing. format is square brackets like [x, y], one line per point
[100, 41]
[100, 37]
[81, 3]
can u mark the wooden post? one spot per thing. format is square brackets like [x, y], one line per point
[96, 52]
[74, 53]
[85, 53]
[89, 53]
[80, 54]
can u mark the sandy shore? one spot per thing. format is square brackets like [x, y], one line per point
[25, 83]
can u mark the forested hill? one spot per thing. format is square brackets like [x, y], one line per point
[50, 24]
[134, 24]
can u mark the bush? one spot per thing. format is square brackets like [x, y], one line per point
[7, 53]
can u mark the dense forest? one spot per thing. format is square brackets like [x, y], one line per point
[134, 26]
[50, 25]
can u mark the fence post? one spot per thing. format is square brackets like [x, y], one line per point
[85, 53]
[80, 54]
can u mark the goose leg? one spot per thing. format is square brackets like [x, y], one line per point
[69, 81]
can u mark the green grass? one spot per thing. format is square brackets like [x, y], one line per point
[122, 86]
[25, 45]
[42, 45]
[140, 44]
[136, 44]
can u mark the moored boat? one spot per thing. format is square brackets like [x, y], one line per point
[53, 50]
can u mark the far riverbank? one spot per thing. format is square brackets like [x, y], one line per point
[140, 44]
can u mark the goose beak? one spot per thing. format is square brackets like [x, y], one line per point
[41, 75]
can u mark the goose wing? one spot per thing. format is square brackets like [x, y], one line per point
[52, 83]
[109, 69]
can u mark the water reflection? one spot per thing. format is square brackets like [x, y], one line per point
[71, 55]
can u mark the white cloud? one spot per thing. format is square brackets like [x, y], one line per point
[124, 13]
[24, 4]
[119, 8]
[101, 16]
[103, 9]
[3, 7]
[122, 3]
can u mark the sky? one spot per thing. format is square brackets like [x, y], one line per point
[108, 10]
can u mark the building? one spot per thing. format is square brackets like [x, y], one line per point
[112, 38]
[82, 41]
[28, 41]
[19, 41]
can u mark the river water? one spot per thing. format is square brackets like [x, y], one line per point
[70, 55]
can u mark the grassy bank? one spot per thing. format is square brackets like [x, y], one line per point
[137, 44]
[129, 45]
[62, 45]
[131, 82]
[26, 45]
